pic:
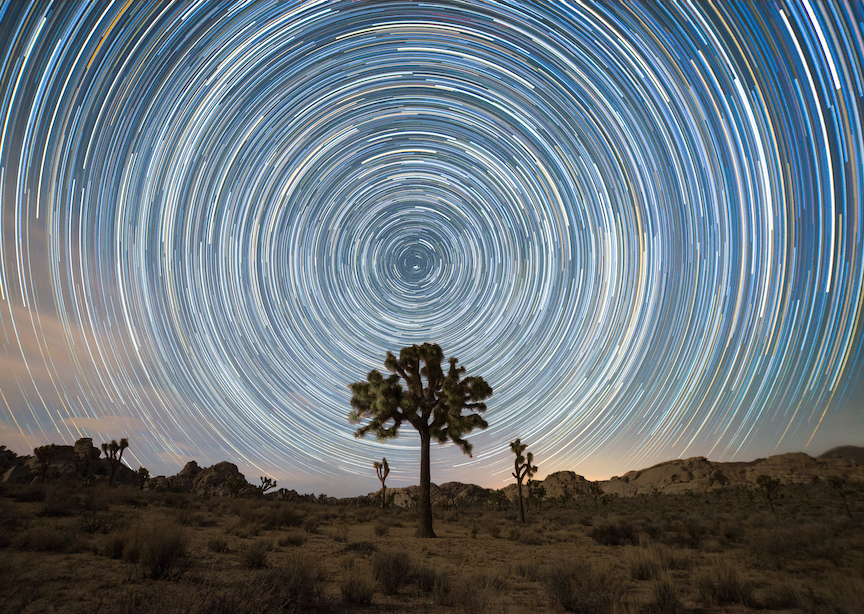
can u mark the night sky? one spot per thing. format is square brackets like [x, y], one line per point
[642, 225]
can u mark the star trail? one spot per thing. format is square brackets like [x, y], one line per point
[641, 223]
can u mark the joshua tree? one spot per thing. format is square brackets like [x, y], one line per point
[498, 498]
[432, 404]
[524, 469]
[768, 486]
[114, 453]
[383, 470]
[266, 484]
[143, 476]
[44, 454]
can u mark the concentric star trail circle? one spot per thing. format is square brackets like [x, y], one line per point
[641, 223]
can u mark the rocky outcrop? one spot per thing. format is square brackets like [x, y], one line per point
[700, 475]
[79, 460]
[222, 479]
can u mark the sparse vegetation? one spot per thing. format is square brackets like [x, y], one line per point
[179, 552]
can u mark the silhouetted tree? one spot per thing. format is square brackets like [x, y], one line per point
[45, 454]
[114, 453]
[266, 484]
[143, 476]
[524, 469]
[383, 470]
[768, 486]
[432, 404]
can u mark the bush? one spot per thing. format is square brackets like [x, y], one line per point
[614, 533]
[356, 587]
[163, 552]
[391, 569]
[722, 585]
[643, 566]
[577, 587]
[292, 538]
[296, 586]
[785, 596]
[380, 527]
[475, 594]
[664, 597]
[254, 555]
[47, 538]
[218, 544]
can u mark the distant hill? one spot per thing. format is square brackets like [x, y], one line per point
[853, 453]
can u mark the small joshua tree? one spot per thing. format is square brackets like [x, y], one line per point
[383, 470]
[114, 453]
[768, 486]
[524, 469]
[143, 476]
[266, 484]
[44, 454]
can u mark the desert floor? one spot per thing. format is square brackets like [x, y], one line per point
[90, 549]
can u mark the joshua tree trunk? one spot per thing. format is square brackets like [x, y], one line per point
[383, 495]
[424, 507]
[521, 506]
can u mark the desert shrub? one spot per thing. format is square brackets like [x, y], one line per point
[9, 521]
[669, 558]
[311, 524]
[722, 585]
[30, 494]
[47, 538]
[114, 545]
[613, 533]
[162, 553]
[531, 539]
[356, 587]
[577, 587]
[391, 569]
[58, 504]
[191, 518]
[278, 516]
[475, 593]
[380, 527]
[775, 547]
[292, 538]
[784, 596]
[493, 529]
[843, 594]
[99, 522]
[254, 555]
[339, 533]
[218, 544]
[664, 596]
[643, 565]
[294, 586]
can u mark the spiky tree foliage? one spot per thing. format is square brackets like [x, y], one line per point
[45, 454]
[524, 469]
[768, 486]
[266, 484]
[143, 476]
[383, 470]
[431, 401]
[114, 453]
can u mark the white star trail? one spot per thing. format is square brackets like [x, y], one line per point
[640, 222]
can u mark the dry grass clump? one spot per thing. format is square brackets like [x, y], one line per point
[664, 596]
[217, 544]
[613, 532]
[356, 586]
[55, 537]
[162, 552]
[722, 585]
[292, 537]
[380, 527]
[254, 555]
[476, 593]
[391, 569]
[776, 547]
[783, 596]
[576, 586]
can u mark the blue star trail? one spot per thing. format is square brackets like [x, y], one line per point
[641, 223]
